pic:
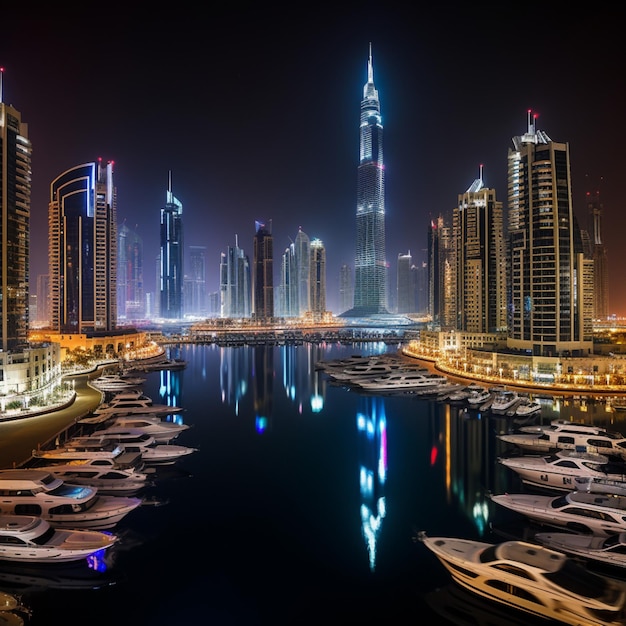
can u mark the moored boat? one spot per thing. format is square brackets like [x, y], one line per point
[562, 469]
[578, 511]
[532, 578]
[609, 550]
[32, 539]
[40, 492]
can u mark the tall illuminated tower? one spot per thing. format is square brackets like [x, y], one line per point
[82, 249]
[171, 257]
[15, 179]
[370, 289]
[550, 300]
[263, 274]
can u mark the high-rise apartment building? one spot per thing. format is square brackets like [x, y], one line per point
[287, 293]
[15, 181]
[549, 299]
[130, 292]
[600, 258]
[317, 278]
[263, 274]
[370, 285]
[404, 287]
[302, 250]
[346, 288]
[196, 294]
[171, 275]
[478, 235]
[235, 283]
[82, 250]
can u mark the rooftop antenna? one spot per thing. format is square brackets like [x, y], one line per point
[1, 74]
[480, 173]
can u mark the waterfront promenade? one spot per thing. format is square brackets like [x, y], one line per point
[19, 437]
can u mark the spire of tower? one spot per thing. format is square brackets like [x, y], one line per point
[1, 75]
[370, 67]
[480, 174]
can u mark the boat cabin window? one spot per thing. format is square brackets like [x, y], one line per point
[513, 590]
[27, 509]
[12, 541]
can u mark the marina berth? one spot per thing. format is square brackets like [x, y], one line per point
[31, 539]
[39, 492]
[532, 578]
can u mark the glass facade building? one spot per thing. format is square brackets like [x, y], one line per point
[82, 249]
[171, 276]
[15, 188]
[370, 281]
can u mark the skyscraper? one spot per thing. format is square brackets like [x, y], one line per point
[82, 249]
[15, 179]
[171, 257]
[549, 279]
[196, 301]
[600, 257]
[370, 287]
[480, 271]
[235, 289]
[263, 274]
[317, 274]
[130, 295]
[302, 249]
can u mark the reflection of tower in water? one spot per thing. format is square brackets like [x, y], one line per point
[300, 379]
[234, 372]
[170, 392]
[263, 385]
[372, 431]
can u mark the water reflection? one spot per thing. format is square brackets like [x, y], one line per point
[372, 429]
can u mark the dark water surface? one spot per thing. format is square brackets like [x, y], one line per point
[300, 506]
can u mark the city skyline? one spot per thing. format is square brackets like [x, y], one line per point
[257, 122]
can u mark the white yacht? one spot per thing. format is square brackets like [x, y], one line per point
[108, 480]
[578, 511]
[564, 435]
[124, 405]
[402, 380]
[532, 578]
[609, 550]
[504, 400]
[162, 430]
[478, 397]
[565, 470]
[32, 539]
[39, 492]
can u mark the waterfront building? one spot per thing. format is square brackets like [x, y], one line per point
[405, 284]
[600, 259]
[171, 257]
[15, 189]
[263, 274]
[346, 288]
[130, 293]
[235, 283]
[480, 260]
[82, 249]
[370, 284]
[26, 369]
[195, 284]
[317, 278]
[302, 255]
[548, 300]
[287, 293]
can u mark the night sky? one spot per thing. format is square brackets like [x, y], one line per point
[256, 111]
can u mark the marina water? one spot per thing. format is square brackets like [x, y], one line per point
[300, 506]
